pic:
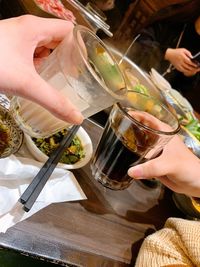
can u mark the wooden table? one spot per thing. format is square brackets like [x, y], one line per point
[106, 230]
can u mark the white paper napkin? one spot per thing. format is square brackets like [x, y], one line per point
[16, 174]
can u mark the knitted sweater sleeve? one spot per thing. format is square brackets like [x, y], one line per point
[177, 244]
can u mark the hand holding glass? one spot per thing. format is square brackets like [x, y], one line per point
[137, 130]
[83, 70]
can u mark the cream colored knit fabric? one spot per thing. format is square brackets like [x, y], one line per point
[177, 244]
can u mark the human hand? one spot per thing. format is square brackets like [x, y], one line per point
[177, 168]
[26, 40]
[180, 58]
[191, 72]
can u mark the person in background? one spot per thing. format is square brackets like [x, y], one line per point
[104, 5]
[168, 45]
[114, 11]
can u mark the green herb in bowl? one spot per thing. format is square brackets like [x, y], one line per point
[71, 155]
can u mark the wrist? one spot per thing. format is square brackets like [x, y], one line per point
[168, 53]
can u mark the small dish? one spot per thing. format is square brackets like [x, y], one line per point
[182, 100]
[11, 136]
[42, 157]
[159, 80]
[181, 105]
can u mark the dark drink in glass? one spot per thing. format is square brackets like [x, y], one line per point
[131, 136]
[117, 151]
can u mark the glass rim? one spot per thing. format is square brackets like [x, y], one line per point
[173, 132]
[80, 28]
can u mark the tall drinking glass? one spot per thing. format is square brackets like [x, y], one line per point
[136, 131]
[82, 69]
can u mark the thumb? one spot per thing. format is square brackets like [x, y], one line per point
[147, 170]
[187, 53]
[39, 91]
